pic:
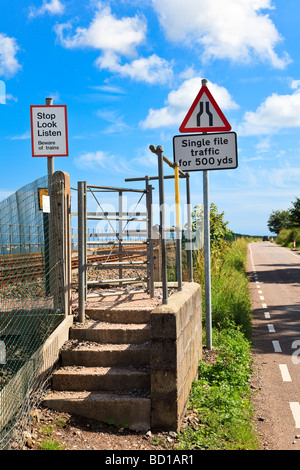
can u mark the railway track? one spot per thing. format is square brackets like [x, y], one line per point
[17, 268]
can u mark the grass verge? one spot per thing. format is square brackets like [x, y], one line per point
[221, 396]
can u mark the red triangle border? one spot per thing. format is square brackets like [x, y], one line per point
[226, 127]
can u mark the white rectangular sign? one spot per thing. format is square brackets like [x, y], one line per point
[198, 152]
[46, 204]
[49, 131]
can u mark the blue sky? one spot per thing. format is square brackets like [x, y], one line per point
[129, 70]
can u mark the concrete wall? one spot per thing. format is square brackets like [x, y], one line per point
[176, 337]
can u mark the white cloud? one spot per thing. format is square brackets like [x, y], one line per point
[117, 124]
[9, 65]
[98, 160]
[179, 101]
[53, 7]
[92, 160]
[117, 38]
[25, 136]
[145, 158]
[264, 145]
[107, 33]
[276, 112]
[150, 70]
[109, 89]
[272, 179]
[236, 29]
[295, 84]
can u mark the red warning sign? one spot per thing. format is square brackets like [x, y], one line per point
[204, 115]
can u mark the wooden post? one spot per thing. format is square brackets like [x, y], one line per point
[61, 242]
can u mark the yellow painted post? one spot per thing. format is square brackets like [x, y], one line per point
[177, 196]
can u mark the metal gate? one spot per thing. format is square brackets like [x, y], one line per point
[125, 252]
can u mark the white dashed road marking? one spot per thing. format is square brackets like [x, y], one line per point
[276, 346]
[285, 373]
[295, 407]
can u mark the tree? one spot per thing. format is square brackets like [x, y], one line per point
[279, 220]
[295, 213]
[219, 231]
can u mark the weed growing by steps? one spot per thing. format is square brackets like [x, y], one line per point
[221, 396]
[47, 441]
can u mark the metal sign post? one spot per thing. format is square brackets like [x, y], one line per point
[204, 152]
[208, 315]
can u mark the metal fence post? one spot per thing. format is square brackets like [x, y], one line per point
[159, 151]
[120, 231]
[150, 269]
[81, 250]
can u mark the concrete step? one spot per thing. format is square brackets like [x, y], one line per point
[120, 315]
[126, 410]
[74, 378]
[105, 355]
[113, 333]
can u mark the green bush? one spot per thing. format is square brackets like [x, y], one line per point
[287, 236]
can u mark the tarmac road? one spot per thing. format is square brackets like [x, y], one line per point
[274, 274]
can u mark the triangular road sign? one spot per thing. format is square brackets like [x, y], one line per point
[204, 115]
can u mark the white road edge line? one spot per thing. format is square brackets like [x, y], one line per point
[295, 408]
[285, 373]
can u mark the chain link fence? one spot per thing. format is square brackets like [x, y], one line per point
[29, 310]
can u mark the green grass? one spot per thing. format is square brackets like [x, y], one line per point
[48, 442]
[51, 444]
[230, 292]
[221, 397]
